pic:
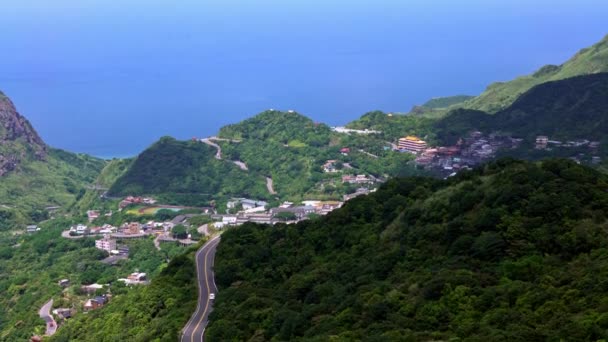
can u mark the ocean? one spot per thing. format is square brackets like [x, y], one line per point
[109, 78]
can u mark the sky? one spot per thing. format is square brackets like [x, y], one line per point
[109, 78]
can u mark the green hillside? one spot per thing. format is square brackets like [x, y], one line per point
[574, 108]
[514, 251]
[286, 147]
[394, 127]
[502, 94]
[444, 102]
[156, 312]
[184, 172]
[34, 176]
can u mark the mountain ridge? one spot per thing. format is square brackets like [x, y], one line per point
[499, 95]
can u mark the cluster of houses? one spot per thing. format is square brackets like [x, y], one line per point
[135, 200]
[544, 143]
[257, 212]
[94, 214]
[358, 179]
[468, 152]
[341, 129]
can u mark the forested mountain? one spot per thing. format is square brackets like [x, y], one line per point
[186, 172]
[513, 251]
[573, 108]
[500, 95]
[286, 147]
[34, 176]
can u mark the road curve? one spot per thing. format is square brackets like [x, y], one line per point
[45, 314]
[195, 328]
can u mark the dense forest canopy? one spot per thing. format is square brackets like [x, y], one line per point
[511, 251]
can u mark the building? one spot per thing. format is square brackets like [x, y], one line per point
[134, 228]
[541, 142]
[246, 203]
[330, 167]
[95, 303]
[91, 288]
[32, 228]
[63, 313]
[92, 215]
[229, 220]
[412, 144]
[299, 212]
[80, 229]
[64, 282]
[106, 243]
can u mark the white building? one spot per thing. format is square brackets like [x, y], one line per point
[106, 244]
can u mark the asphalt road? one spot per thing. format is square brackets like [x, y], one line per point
[45, 314]
[195, 328]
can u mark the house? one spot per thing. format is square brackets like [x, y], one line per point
[229, 219]
[345, 151]
[286, 205]
[348, 179]
[135, 279]
[412, 144]
[80, 229]
[106, 244]
[64, 283]
[63, 313]
[250, 204]
[246, 203]
[95, 303]
[330, 167]
[92, 215]
[32, 228]
[541, 142]
[326, 207]
[133, 228]
[360, 179]
[91, 288]
[139, 277]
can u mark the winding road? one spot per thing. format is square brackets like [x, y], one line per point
[195, 328]
[45, 314]
[218, 154]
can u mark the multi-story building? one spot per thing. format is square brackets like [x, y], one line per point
[106, 244]
[412, 144]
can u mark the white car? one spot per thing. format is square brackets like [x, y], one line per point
[212, 296]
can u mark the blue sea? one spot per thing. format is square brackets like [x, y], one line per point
[109, 78]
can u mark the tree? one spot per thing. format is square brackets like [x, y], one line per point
[179, 232]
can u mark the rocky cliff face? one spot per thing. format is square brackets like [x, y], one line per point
[18, 139]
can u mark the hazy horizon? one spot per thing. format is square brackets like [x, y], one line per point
[109, 79]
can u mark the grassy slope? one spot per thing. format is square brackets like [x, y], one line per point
[444, 102]
[55, 182]
[515, 251]
[500, 95]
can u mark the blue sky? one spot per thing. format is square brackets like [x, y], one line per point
[93, 74]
